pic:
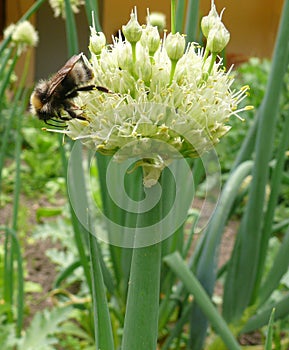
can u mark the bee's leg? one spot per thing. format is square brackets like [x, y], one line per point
[74, 93]
[72, 114]
[73, 111]
[61, 118]
[56, 126]
[85, 88]
[75, 115]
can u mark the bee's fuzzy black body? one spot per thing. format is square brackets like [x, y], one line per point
[51, 97]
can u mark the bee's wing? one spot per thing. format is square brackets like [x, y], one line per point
[62, 73]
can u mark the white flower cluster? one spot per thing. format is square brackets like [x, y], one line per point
[58, 6]
[157, 90]
[23, 35]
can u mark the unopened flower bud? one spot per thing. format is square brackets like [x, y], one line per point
[218, 38]
[175, 46]
[124, 56]
[150, 39]
[208, 22]
[143, 67]
[97, 41]
[132, 30]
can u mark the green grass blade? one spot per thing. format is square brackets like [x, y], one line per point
[199, 171]
[66, 273]
[11, 243]
[23, 95]
[178, 265]
[239, 291]
[269, 335]
[192, 20]
[11, 234]
[141, 318]
[102, 323]
[205, 270]
[71, 30]
[208, 249]
[8, 125]
[188, 243]
[279, 268]
[180, 15]
[93, 13]
[31, 10]
[20, 285]
[280, 226]
[17, 184]
[178, 327]
[273, 201]
[4, 63]
[182, 173]
[142, 309]
[108, 280]
[110, 210]
[7, 77]
[8, 275]
[133, 185]
[76, 175]
[12, 113]
[173, 16]
[261, 318]
[248, 144]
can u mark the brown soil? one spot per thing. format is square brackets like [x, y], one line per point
[40, 270]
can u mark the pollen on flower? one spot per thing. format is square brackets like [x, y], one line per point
[165, 101]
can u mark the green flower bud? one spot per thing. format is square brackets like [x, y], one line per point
[124, 56]
[97, 41]
[218, 38]
[175, 45]
[132, 30]
[143, 68]
[208, 22]
[150, 39]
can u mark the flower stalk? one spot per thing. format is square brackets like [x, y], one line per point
[173, 16]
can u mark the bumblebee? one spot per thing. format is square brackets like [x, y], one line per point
[51, 97]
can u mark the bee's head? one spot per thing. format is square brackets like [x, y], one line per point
[38, 99]
[36, 102]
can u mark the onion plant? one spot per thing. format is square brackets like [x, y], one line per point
[161, 104]
[151, 114]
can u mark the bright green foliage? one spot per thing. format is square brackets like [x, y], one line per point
[40, 334]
